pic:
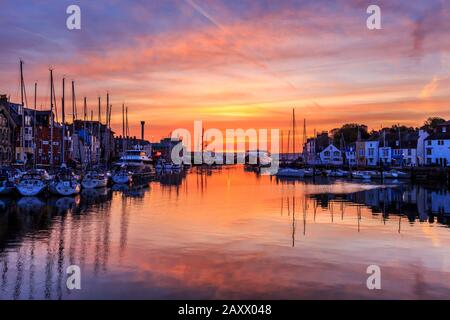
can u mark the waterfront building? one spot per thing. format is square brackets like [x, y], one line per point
[7, 132]
[163, 149]
[437, 146]
[314, 146]
[331, 156]
[350, 154]
[367, 152]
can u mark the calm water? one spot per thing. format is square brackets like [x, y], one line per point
[229, 234]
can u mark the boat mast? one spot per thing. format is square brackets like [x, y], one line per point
[127, 128]
[107, 131]
[63, 135]
[34, 124]
[123, 128]
[74, 117]
[99, 131]
[51, 118]
[91, 131]
[293, 131]
[84, 130]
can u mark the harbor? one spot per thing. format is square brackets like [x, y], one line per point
[231, 157]
[290, 239]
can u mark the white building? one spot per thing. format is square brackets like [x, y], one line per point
[331, 155]
[437, 146]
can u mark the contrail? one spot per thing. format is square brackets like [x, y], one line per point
[263, 66]
[204, 13]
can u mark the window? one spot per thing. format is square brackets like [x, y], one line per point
[429, 151]
[371, 152]
[429, 142]
[327, 153]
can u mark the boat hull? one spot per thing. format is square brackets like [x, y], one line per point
[30, 190]
[287, 172]
[65, 188]
[94, 183]
[122, 179]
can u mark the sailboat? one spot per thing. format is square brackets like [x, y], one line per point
[65, 182]
[32, 183]
[94, 179]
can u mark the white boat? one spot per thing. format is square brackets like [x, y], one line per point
[122, 176]
[400, 174]
[32, 183]
[361, 175]
[94, 179]
[134, 164]
[290, 172]
[342, 173]
[390, 175]
[334, 173]
[65, 183]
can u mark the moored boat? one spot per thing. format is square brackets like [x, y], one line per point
[290, 172]
[361, 175]
[94, 179]
[134, 165]
[32, 183]
[65, 183]
[122, 176]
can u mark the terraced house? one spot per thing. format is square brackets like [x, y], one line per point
[437, 146]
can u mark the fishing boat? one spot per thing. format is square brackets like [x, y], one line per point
[6, 184]
[361, 175]
[66, 183]
[94, 179]
[32, 183]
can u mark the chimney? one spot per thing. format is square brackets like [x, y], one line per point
[142, 132]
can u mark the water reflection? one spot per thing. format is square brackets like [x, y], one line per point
[227, 233]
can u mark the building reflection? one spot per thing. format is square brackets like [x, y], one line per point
[416, 202]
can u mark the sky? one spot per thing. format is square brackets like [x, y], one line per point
[235, 63]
